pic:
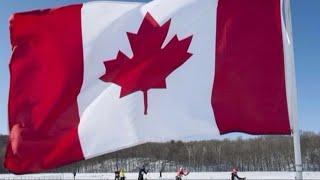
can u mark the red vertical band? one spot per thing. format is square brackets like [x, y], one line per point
[249, 93]
[46, 76]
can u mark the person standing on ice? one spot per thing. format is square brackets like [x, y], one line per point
[180, 173]
[117, 174]
[161, 170]
[141, 172]
[234, 175]
[74, 174]
[122, 175]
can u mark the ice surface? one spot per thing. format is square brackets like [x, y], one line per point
[165, 176]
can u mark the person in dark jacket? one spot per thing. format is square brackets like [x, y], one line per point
[141, 172]
[234, 175]
[117, 175]
[161, 170]
[74, 174]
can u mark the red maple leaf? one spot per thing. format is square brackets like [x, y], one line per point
[150, 64]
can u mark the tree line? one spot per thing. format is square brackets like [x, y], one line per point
[263, 153]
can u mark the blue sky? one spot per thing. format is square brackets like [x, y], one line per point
[306, 35]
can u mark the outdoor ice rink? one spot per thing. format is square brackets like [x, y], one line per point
[165, 176]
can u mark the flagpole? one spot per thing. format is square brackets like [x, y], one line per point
[297, 154]
[293, 94]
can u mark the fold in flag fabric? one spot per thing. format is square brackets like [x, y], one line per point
[98, 77]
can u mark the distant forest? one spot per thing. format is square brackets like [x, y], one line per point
[264, 153]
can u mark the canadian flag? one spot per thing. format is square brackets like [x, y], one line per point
[102, 76]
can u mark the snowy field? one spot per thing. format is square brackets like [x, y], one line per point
[166, 176]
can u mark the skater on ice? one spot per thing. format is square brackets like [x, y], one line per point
[141, 172]
[234, 175]
[122, 174]
[161, 170]
[181, 172]
[74, 174]
[117, 174]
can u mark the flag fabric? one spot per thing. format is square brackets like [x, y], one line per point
[98, 77]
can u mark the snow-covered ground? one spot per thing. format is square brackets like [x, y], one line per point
[166, 176]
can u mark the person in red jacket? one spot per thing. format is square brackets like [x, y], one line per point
[180, 173]
[234, 175]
